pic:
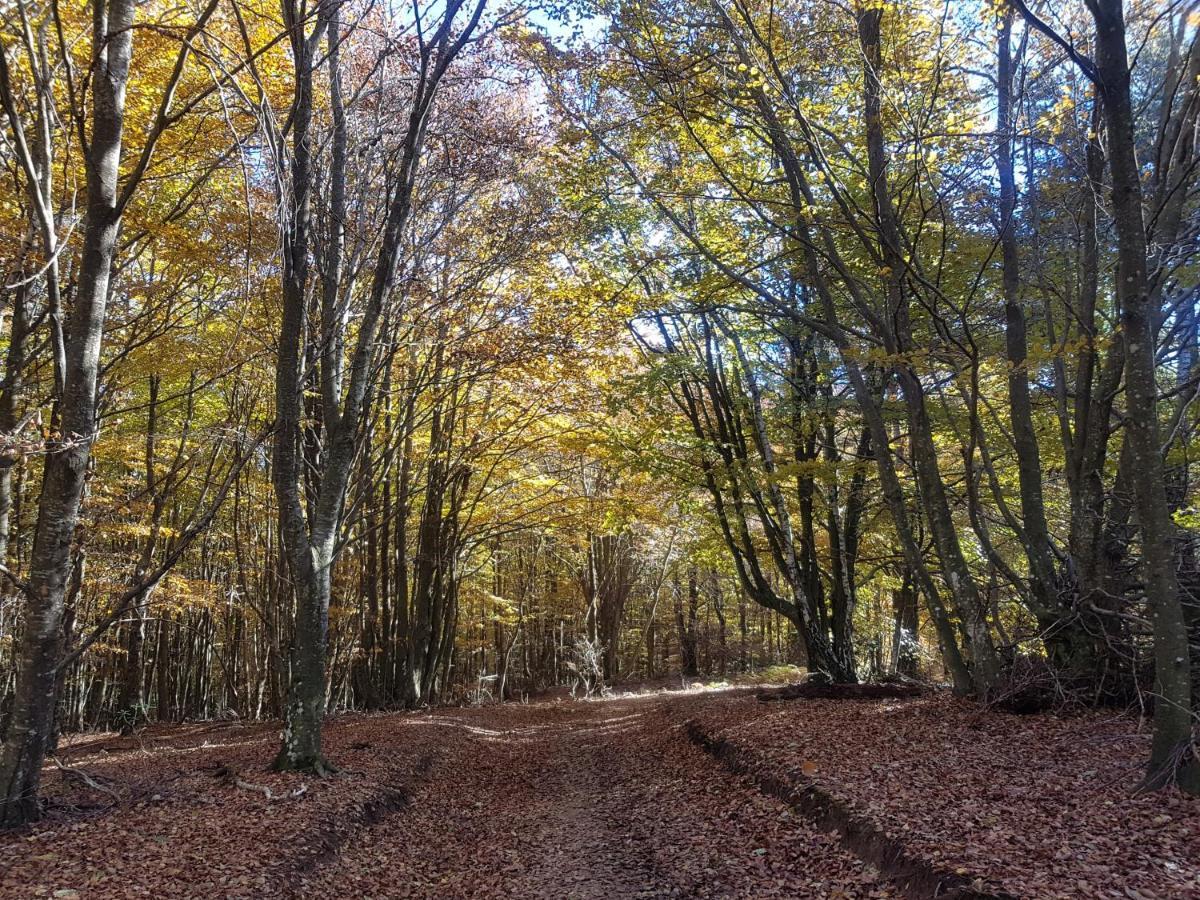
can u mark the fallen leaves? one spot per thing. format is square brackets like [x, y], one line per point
[179, 832]
[1037, 806]
[582, 800]
[607, 799]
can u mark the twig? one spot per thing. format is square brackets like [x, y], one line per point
[250, 786]
[87, 779]
[230, 776]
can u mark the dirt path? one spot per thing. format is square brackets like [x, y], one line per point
[586, 800]
[609, 799]
[567, 800]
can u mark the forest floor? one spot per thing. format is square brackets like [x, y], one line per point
[665, 794]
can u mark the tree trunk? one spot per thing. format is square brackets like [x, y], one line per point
[685, 624]
[904, 635]
[10, 392]
[1036, 538]
[64, 470]
[924, 450]
[1170, 756]
[301, 749]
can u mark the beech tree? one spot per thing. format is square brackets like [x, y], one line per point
[1172, 756]
[315, 449]
[771, 193]
[96, 108]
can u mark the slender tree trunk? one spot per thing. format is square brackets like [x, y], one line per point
[1029, 466]
[685, 624]
[958, 575]
[31, 723]
[904, 635]
[1171, 755]
[10, 392]
[131, 700]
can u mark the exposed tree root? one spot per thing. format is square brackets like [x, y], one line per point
[317, 766]
[1181, 769]
[231, 777]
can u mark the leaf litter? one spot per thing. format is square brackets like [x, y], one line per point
[609, 799]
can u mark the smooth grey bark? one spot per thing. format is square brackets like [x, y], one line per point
[64, 470]
[76, 354]
[1172, 757]
[1097, 382]
[1025, 443]
[306, 696]
[15, 361]
[310, 520]
[1069, 645]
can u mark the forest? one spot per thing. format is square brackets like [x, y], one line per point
[748, 441]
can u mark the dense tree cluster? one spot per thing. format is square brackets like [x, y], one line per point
[366, 356]
[923, 296]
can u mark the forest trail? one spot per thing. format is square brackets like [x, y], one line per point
[610, 798]
[603, 799]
